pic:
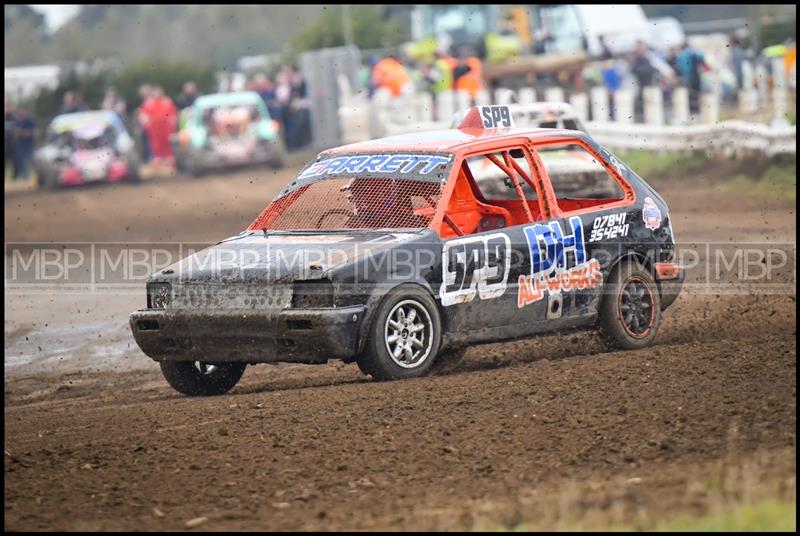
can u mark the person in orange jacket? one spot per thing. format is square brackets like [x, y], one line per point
[389, 73]
[467, 77]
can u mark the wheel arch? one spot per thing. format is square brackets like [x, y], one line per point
[638, 256]
[376, 299]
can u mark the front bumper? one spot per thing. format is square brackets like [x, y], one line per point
[261, 154]
[302, 335]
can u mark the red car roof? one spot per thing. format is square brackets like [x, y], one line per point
[451, 140]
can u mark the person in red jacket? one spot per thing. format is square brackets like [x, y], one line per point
[159, 117]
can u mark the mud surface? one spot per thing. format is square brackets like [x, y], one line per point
[553, 432]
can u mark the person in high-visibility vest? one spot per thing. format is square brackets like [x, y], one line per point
[790, 59]
[444, 66]
[475, 65]
[467, 77]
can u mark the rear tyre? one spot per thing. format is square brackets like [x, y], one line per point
[630, 309]
[404, 337]
[134, 170]
[47, 179]
[278, 159]
[277, 162]
[194, 167]
[195, 378]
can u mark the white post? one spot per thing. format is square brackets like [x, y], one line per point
[425, 107]
[483, 98]
[503, 95]
[780, 98]
[379, 113]
[747, 75]
[748, 101]
[580, 101]
[778, 74]
[709, 108]
[623, 106]
[653, 106]
[680, 106]
[462, 100]
[599, 96]
[526, 95]
[554, 94]
[445, 106]
[761, 84]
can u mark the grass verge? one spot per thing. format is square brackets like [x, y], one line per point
[774, 177]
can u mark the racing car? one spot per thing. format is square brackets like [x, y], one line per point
[387, 253]
[224, 130]
[86, 147]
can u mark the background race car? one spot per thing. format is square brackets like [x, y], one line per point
[86, 147]
[225, 130]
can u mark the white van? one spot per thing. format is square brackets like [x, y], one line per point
[566, 28]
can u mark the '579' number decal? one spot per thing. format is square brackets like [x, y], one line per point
[474, 266]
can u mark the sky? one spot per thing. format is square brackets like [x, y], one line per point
[56, 15]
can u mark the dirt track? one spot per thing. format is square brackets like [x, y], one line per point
[553, 432]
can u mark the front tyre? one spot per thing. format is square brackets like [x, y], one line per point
[630, 310]
[196, 378]
[404, 337]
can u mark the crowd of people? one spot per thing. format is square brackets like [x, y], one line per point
[644, 66]
[682, 66]
[445, 73]
[158, 117]
[287, 102]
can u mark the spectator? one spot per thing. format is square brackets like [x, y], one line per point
[444, 66]
[390, 74]
[612, 80]
[362, 78]
[145, 92]
[160, 118]
[605, 51]
[737, 60]
[72, 103]
[644, 72]
[24, 129]
[371, 85]
[283, 93]
[691, 63]
[298, 82]
[428, 78]
[265, 88]
[466, 77]
[187, 95]
[641, 67]
[297, 112]
[114, 102]
[9, 137]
